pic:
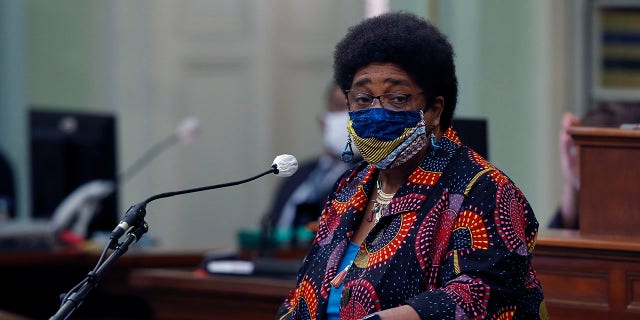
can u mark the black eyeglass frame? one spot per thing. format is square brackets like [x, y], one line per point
[382, 98]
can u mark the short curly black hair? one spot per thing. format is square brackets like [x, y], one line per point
[408, 41]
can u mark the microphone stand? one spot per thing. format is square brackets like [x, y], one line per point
[136, 226]
[74, 298]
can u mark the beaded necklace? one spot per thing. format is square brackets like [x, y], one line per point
[380, 203]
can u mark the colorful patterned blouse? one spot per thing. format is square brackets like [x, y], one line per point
[455, 243]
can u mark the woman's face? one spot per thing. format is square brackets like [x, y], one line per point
[382, 78]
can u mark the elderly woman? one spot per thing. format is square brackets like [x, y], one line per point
[423, 228]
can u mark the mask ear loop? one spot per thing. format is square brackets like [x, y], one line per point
[434, 142]
[347, 153]
[435, 146]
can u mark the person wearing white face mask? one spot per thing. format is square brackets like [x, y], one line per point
[300, 198]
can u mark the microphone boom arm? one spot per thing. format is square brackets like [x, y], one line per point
[137, 212]
[222, 185]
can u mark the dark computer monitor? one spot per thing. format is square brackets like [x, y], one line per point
[67, 149]
[473, 133]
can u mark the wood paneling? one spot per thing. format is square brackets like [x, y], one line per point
[609, 196]
[34, 280]
[587, 277]
[175, 294]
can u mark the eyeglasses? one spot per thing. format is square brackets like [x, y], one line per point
[359, 100]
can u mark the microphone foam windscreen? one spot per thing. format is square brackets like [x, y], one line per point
[286, 164]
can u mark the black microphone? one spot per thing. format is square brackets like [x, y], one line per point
[283, 165]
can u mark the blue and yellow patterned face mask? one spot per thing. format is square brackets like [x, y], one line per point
[385, 138]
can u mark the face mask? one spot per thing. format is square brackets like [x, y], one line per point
[385, 138]
[335, 131]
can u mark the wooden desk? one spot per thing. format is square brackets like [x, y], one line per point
[609, 196]
[582, 278]
[588, 277]
[175, 294]
[32, 281]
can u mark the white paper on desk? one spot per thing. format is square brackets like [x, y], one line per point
[630, 126]
[231, 267]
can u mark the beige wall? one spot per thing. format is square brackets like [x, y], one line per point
[13, 93]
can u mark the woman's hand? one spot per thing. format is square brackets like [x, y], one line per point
[568, 151]
[570, 171]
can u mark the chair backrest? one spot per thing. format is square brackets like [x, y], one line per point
[473, 133]
[7, 190]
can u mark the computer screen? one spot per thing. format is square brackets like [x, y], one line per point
[67, 149]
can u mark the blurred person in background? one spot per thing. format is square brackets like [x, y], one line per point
[299, 199]
[606, 115]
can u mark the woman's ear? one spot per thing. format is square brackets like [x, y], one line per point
[432, 116]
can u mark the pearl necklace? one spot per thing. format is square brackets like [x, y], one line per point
[380, 203]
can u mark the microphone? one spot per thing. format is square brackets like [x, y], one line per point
[186, 132]
[283, 165]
